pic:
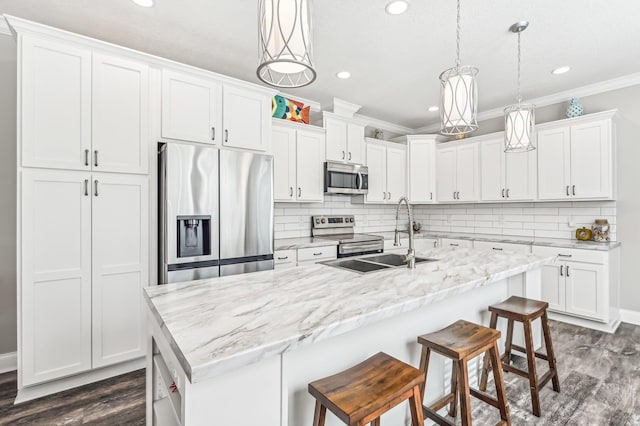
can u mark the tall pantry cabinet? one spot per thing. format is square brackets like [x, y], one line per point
[83, 208]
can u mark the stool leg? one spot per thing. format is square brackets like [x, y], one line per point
[485, 365]
[550, 353]
[507, 344]
[424, 367]
[498, 378]
[320, 414]
[376, 422]
[463, 389]
[415, 403]
[531, 361]
[453, 407]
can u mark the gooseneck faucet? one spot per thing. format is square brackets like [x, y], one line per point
[410, 257]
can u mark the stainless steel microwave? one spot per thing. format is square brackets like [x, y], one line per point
[348, 179]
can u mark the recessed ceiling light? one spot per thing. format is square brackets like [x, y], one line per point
[561, 70]
[433, 108]
[143, 3]
[397, 7]
[343, 74]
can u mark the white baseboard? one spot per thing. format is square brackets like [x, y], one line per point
[632, 317]
[8, 362]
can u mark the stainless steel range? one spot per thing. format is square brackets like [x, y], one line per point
[341, 228]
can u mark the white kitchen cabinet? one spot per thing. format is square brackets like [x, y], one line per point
[585, 290]
[247, 118]
[387, 163]
[345, 140]
[191, 108]
[514, 247]
[55, 104]
[424, 244]
[120, 131]
[576, 157]
[419, 244]
[120, 267]
[298, 165]
[553, 288]
[506, 176]
[55, 263]
[284, 259]
[311, 255]
[455, 243]
[421, 164]
[457, 173]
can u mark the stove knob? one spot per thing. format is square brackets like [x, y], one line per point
[323, 221]
[317, 220]
[351, 220]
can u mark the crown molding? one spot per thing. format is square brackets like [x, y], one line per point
[579, 92]
[4, 27]
[383, 125]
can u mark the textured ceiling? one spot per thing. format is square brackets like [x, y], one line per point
[394, 60]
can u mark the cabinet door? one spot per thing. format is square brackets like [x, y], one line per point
[355, 143]
[336, 139]
[445, 174]
[492, 168]
[283, 143]
[396, 174]
[120, 247]
[310, 167]
[377, 164]
[591, 160]
[553, 286]
[55, 102]
[554, 164]
[191, 108]
[520, 175]
[56, 275]
[586, 290]
[422, 171]
[467, 163]
[120, 131]
[247, 119]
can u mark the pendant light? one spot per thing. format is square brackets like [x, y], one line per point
[519, 118]
[285, 35]
[458, 95]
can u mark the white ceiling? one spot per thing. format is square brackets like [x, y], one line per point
[394, 60]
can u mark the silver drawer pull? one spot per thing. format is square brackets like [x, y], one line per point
[95, 183]
[497, 248]
[317, 254]
[454, 245]
[283, 258]
[565, 255]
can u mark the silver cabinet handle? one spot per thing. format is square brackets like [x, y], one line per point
[317, 254]
[454, 245]
[349, 158]
[565, 255]
[283, 258]
[343, 155]
[454, 195]
[574, 190]
[291, 191]
[213, 133]
[388, 195]
[561, 268]
[567, 190]
[95, 185]
[507, 192]
[226, 135]
[431, 195]
[496, 248]
[568, 271]
[95, 155]
[86, 157]
[502, 192]
[435, 244]
[86, 187]
[299, 192]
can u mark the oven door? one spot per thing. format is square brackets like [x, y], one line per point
[347, 179]
[360, 248]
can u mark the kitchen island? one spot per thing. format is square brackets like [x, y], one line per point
[240, 350]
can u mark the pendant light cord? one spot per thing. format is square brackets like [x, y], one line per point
[519, 95]
[458, 38]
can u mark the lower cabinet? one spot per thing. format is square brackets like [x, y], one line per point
[454, 243]
[518, 248]
[304, 256]
[84, 262]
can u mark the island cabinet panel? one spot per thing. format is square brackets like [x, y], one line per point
[55, 104]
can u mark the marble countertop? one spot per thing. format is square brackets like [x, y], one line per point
[222, 324]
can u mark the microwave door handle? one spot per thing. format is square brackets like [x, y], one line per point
[359, 180]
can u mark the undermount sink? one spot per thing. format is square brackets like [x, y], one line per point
[373, 263]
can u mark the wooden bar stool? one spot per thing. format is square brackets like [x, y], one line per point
[525, 311]
[361, 394]
[460, 342]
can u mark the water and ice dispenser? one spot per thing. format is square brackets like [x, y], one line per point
[194, 236]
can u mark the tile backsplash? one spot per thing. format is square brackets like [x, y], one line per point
[548, 220]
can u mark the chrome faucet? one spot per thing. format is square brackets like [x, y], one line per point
[410, 257]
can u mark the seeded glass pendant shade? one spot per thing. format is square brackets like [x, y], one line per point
[285, 35]
[458, 95]
[519, 119]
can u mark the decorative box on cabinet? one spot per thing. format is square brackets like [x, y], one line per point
[457, 174]
[345, 139]
[576, 158]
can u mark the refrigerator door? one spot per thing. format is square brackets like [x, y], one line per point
[246, 206]
[243, 268]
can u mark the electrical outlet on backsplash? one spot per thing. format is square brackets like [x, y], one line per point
[545, 220]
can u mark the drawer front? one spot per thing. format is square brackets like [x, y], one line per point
[488, 245]
[404, 244]
[573, 255]
[283, 257]
[453, 243]
[317, 253]
[423, 244]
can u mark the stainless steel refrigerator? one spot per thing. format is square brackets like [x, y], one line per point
[216, 212]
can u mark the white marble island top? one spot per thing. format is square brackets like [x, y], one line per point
[218, 325]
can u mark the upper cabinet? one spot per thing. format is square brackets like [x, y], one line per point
[202, 110]
[387, 163]
[421, 162]
[576, 158]
[82, 110]
[506, 176]
[457, 175]
[345, 140]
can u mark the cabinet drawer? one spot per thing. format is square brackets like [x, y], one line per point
[573, 255]
[453, 243]
[317, 253]
[488, 245]
[422, 244]
[283, 257]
